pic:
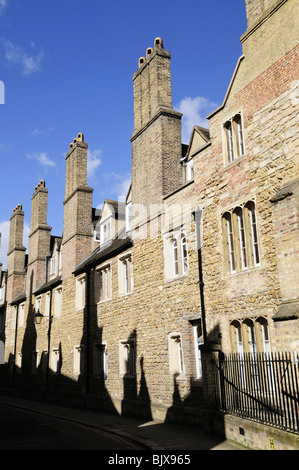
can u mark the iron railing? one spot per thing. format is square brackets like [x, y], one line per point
[260, 386]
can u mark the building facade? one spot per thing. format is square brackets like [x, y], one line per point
[202, 258]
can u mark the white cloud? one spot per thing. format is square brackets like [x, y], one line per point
[38, 131]
[3, 5]
[4, 230]
[122, 189]
[194, 112]
[42, 159]
[30, 62]
[93, 162]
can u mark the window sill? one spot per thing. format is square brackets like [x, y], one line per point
[244, 271]
[125, 294]
[176, 279]
[103, 301]
[229, 165]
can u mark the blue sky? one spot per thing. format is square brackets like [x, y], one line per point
[67, 67]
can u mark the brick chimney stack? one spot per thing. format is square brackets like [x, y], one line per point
[77, 224]
[39, 237]
[16, 255]
[156, 140]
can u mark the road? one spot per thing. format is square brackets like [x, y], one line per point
[26, 430]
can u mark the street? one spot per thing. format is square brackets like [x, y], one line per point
[26, 430]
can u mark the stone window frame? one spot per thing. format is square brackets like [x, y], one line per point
[241, 246]
[176, 257]
[105, 294]
[19, 362]
[100, 360]
[127, 357]
[53, 265]
[198, 341]
[58, 301]
[21, 315]
[125, 274]
[80, 292]
[251, 336]
[38, 303]
[188, 170]
[176, 354]
[78, 360]
[55, 365]
[35, 359]
[233, 138]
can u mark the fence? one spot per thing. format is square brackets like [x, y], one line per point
[261, 386]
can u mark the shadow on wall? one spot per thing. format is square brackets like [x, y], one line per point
[90, 390]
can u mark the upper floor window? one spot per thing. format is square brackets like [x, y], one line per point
[233, 138]
[127, 357]
[103, 283]
[188, 171]
[101, 361]
[52, 265]
[80, 293]
[105, 232]
[129, 212]
[176, 363]
[240, 238]
[58, 301]
[175, 254]
[60, 260]
[126, 274]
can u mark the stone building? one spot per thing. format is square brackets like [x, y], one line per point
[136, 299]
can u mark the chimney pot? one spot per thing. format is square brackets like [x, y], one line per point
[158, 43]
[149, 51]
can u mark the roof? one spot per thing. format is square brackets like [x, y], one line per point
[19, 298]
[48, 285]
[288, 310]
[103, 253]
[229, 88]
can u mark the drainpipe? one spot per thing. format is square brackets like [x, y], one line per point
[87, 293]
[15, 345]
[198, 216]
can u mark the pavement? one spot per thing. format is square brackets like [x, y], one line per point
[153, 435]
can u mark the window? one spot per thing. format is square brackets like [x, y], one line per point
[55, 361]
[129, 217]
[60, 260]
[101, 361]
[19, 362]
[47, 304]
[38, 302]
[78, 360]
[198, 341]
[175, 254]
[105, 231]
[80, 293]
[1, 294]
[189, 170]
[251, 337]
[176, 364]
[103, 283]
[125, 275]
[240, 239]
[233, 138]
[21, 315]
[58, 302]
[35, 362]
[52, 265]
[127, 358]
